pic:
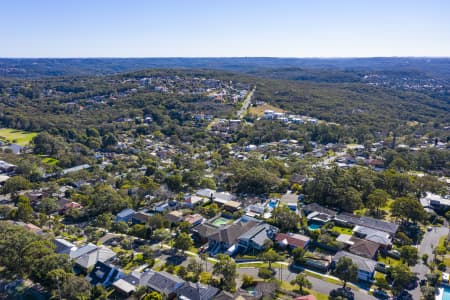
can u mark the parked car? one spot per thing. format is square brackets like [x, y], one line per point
[381, 267]
[380, 294]
[345, 293]
[394, 254]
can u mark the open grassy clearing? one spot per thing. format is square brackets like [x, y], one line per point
[19, 137]
[50, 161]
[259, 110]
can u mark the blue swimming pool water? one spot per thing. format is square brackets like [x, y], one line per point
[446, 294]
[314, 226]
[272, 203]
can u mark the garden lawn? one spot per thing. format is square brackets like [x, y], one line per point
[389, 261]
[342, 230]
[14, 136]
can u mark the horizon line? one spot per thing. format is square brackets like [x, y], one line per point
[214, 57]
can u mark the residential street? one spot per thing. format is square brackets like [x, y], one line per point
[318, 285]
[246, 104]
[430, 240]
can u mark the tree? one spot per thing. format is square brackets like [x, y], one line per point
[346, 270]
[15, 184]
[247, 280]
[183, 242]
[226, 268]
[71, 287]
[147, 251]
[299, 255]
[409, 209]
[428, 292]
[153, 296]
[284, 218]
[377, 199]
[382, 283]
[47, 206]
[174, 182]
[302, 281]
[270, 256]
[24, 209]
[161, 234]
[409, 254]
[104, 220]
[401, 276]
[195, 268]
[157, 221]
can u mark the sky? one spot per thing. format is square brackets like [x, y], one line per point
[224, 28]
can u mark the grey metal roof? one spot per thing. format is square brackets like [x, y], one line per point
[164, 282]
[363, 263]
[196, 291]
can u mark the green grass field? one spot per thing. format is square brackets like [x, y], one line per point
[19, 137]
[342, 230]
[50, 161]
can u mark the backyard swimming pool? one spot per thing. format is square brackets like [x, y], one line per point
[314, 226]
[221, 221]
[272, 204]
[446, 294]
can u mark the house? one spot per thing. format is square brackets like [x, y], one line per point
[290, 200]
[140, 217]
[63, 246]
[127, 284]
[164, 283]
[203, 231]
[292, 240]
[89, 259]
[364, 248]
[30, 227]
[124, 287]
[380, 237]
[174, 217]
[256, 237]
[191, 201]
[194, 219]
[223, 295]
[307, 297]
[162, 207]
[103, 274]
[16, 149]
[6, 167]
[3, 179]
[314, 207]
[368, 222]
[232, 205]
[227, 236]
[125, 215]
[434, 201]
[255, 210]
[205, 193]
[366, 267]
[65, 205]
[196, 291]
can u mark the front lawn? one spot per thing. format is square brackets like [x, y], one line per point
[389, 260]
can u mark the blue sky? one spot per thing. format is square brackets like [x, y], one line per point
[224, 28]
